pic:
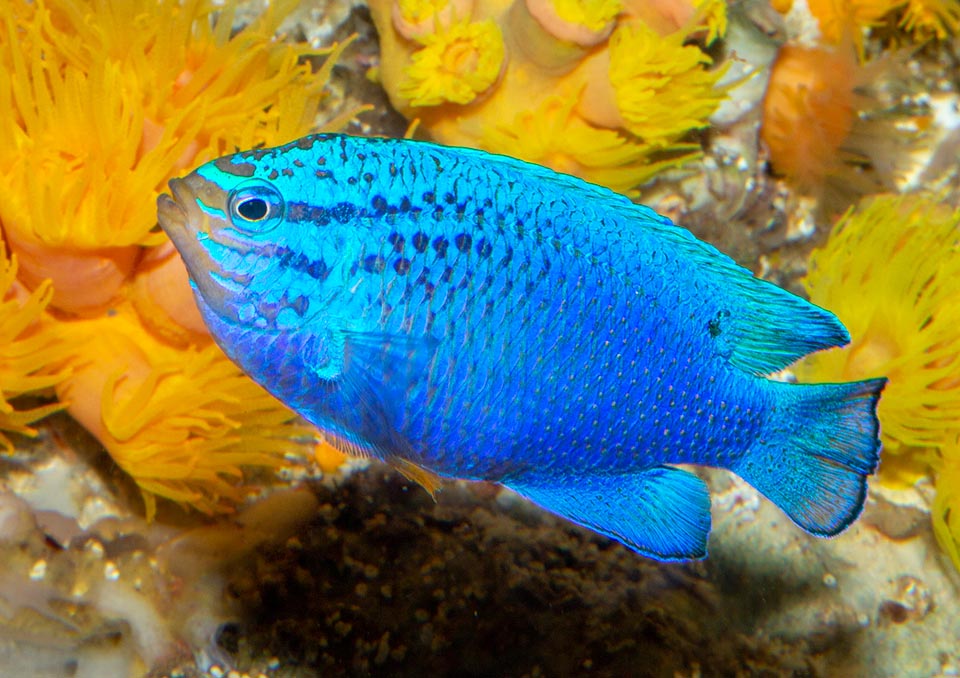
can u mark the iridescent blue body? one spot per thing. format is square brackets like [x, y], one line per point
[473, 316]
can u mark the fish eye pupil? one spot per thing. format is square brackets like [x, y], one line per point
[253, 209]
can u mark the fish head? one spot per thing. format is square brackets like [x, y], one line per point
[228, 219]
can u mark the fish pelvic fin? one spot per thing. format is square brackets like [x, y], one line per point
[428, 480]
[662, 512]
[814, 460]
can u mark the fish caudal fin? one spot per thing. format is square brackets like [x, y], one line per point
[814, 461]
[663, 512]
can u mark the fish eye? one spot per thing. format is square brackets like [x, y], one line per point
[255, 206]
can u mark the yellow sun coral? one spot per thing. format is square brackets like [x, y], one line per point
[105, 101]
[932, 18]
[662, 89]
[594, 15]
[845, 20]
[889, 272]
[554, 135]
[31, 354]
[946, 505]
[101, 102]
[182, 423]
[615, 112]
[454, 65]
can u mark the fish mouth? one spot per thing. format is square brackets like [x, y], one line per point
[172, 211]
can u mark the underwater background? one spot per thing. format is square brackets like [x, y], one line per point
[162, 515]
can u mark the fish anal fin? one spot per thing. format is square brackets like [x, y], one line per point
[661, 512]
[430, 481]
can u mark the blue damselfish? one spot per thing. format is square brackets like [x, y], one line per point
[466, 315]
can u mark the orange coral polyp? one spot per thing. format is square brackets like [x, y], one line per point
[809, 110]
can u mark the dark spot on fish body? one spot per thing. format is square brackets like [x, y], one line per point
[392, 169]
[368, 177]
[397, 241]
[405, 204]
[420, 241]
[429, 197]
[323, 174]
[401, 266]
[438, 214]
[463, 242]
[379, 204]
[484, 248]
[440, 245]
[240, 169]
[344, 212]
[374, 263]
[297, 162]
[274, 175]
[424, 276]
[318, 270]
[352, 181]
[287, 172]
[449, 198]
[447, 274]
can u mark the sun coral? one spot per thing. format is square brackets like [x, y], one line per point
[82, 81]
[939, 19]
[32, 354]
[808, 112]
[946, 506]
[889, 271]
[556, 88]
[182, 423]
[101, 103]
[841, 20]
[661, 88]
[454, 65]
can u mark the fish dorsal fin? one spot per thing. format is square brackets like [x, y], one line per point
[771, 328]
[763, 328]
[768, 327]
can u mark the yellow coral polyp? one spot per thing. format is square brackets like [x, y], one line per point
[84, 79]
[713, 15]
[454, 65]
[554, 135]
[32, 354]
[416, 11]
[845, 20]
[181, 423]
[889, 271]
[932, 18]
[662, 86]
[592, 15]
[946, 505]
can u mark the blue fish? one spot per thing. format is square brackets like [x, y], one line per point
[465, 315]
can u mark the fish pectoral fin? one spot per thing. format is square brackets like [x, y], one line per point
[427, 479]
[378, 371]
[389, 360]
[662, 512]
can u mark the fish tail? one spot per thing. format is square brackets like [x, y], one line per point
[814, 460]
